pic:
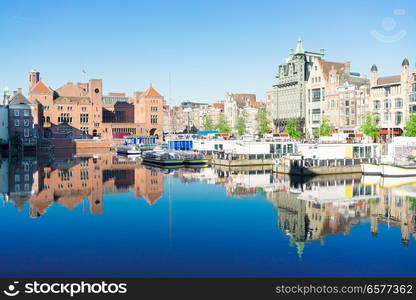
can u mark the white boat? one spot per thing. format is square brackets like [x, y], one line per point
[370, 179]
[371, 169]
[390, 182]
[398, 170]
[128, 149]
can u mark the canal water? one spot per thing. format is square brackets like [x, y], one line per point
[109, 216]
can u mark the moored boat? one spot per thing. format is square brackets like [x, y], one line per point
[163, 158]
[398, 170]
[371, 169]
[194, 158]
[128, 150]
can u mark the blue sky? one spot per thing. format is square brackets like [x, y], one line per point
[208, 47]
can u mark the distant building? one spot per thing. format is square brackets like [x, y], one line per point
[80, 110]
[289, 97]
[23, 121]
[335, 93]
[391, 100]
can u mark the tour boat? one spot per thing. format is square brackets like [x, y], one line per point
[163, 158]
[128, 149]
[194, 158]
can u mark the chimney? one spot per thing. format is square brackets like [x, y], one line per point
[19, 91]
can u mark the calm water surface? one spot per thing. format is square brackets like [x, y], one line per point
[110, 216]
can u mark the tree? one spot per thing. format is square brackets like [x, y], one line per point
[208, 123]
[410, 128]
[325, 128]
[223, 126]
[292, 128]
[370, 127]
[241, 125]
[263, 121]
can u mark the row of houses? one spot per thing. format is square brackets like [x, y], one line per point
[310, 88]
[190, 116]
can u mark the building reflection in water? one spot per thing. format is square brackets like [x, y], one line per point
[69, 182]
[309, 209]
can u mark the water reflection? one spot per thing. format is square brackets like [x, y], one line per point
[71, 181]
[308, 209]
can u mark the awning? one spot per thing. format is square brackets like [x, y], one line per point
[283, 134]
[385, 132]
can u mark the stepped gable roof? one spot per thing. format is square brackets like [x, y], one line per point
[329, 65]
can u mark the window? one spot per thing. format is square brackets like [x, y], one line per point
[16, 113]
[26, 132]
[316, 95]
[26, 113]
[347, 103]
[399, 103]
[399, 117]
[69, 108]
[316, 115]
[46, 107]
[414, 87]
[60, 107]
[84, 108]
[84, 130]
[17, 177]
[376, 104]
[387, 104]
[153, 119]
[387, 91]
[48, 119]
[84, 118]
[16, 123]
[26, 122]
[153, 108]
[377, 118]
[64, 118]
[386, 116]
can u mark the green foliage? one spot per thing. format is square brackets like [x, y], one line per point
[292, 128]
[370, 127]
[241, 126]
[223, 126]
[263, 121]
[412, 201]
[325, 128]
[410, 129]
[208, 123]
